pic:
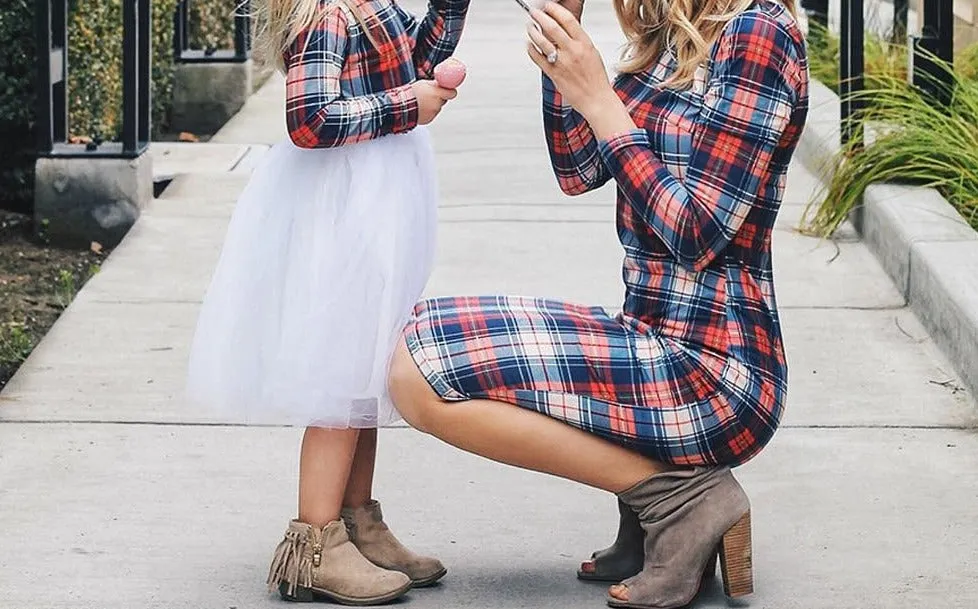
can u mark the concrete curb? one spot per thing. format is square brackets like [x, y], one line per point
[925, 246]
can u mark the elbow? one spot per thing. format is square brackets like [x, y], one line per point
[573, 188]
[305, 135]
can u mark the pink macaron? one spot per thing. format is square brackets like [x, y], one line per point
[450, 73]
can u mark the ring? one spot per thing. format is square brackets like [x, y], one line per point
[552, 57]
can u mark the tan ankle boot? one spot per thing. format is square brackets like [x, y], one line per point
[314, 563]
[688, 516]
[375, 541]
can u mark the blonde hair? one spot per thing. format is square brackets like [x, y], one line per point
[687, 27]
[281, 22]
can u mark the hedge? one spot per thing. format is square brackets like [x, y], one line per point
[94, 75]
[16, 104]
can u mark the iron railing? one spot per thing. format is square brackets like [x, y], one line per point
[52, 80]
[242, 38]
[933, 50]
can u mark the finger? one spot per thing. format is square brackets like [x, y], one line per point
[551, 29]
[541, 42]
[540, 59]
[445, 94]
[566, 20]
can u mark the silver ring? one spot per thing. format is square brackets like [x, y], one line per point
[552, 57]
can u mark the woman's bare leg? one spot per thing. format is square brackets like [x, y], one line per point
[515, 436]
[359, 488]
[324, 469]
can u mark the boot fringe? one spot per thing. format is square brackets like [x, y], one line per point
[290, 565]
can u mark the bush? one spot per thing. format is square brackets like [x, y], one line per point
[17, 69]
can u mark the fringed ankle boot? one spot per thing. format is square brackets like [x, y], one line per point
[314, 563]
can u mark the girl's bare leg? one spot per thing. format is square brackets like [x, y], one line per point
[324, 469]
[359, 488]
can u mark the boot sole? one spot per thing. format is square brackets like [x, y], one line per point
[312, 595]
[431, 580]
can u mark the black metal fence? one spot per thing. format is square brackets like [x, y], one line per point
[931, 52]
[52, 78]
[242, 38]
[52, 75]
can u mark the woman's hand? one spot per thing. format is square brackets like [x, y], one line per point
[431, 99]
[577, 70]
[576, 7]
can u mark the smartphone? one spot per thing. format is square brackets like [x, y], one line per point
[524, 5]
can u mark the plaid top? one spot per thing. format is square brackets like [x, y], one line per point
[700, 182]
[342, 89]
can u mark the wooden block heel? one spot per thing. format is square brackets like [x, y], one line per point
[735, 559]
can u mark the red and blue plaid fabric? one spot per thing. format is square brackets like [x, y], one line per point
[692, 371]
[342, 88]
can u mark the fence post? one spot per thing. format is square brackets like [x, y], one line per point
[817, 11]
[933, 51]
[210, 85]
[92, 191]
[851, 66]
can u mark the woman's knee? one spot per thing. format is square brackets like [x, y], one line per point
[410, 392]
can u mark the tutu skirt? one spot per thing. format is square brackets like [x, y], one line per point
[326, 254]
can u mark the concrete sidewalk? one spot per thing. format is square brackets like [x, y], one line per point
[115, 494]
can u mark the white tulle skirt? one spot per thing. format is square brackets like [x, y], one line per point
[326, 254]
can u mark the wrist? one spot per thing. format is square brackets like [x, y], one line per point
[607, 115]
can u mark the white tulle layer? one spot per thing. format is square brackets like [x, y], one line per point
[325, 256]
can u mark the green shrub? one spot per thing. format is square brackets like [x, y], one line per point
[17, 68]
[212, 24]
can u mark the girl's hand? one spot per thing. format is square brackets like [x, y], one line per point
[431, 99]
[578, 71]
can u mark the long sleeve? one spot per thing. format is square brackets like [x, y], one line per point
[574, 151]
[436, 35]
[317, 113]
[748, 103]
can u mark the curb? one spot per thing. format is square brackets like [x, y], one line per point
[922, 242]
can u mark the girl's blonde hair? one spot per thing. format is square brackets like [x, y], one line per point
[281, 22]
[687, 27]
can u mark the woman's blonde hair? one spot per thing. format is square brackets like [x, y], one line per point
[687, 27]
[279, 23]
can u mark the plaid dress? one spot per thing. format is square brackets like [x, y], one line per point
[347, 84]
[692, 370]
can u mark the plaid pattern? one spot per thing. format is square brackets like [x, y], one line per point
[693, 369]
[342, 89]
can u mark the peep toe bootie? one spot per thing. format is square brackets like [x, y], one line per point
[688, 516]
[378, 544]
[622, 559]
[314, 563]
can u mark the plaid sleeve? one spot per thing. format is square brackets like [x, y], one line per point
[747, 106]
[574, 151]
[317, 113]
[436, 36]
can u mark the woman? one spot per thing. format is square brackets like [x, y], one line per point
[658, 403]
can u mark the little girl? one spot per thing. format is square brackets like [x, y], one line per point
[329, 248]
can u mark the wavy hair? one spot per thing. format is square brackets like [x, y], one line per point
[687, 27]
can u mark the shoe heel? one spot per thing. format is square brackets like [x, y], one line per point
[301, 595]
[736, 565]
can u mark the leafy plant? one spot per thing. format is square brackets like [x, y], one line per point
[922, 143]
[15, 344]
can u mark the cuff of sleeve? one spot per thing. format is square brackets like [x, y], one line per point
[403, 109]
[616, 151]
